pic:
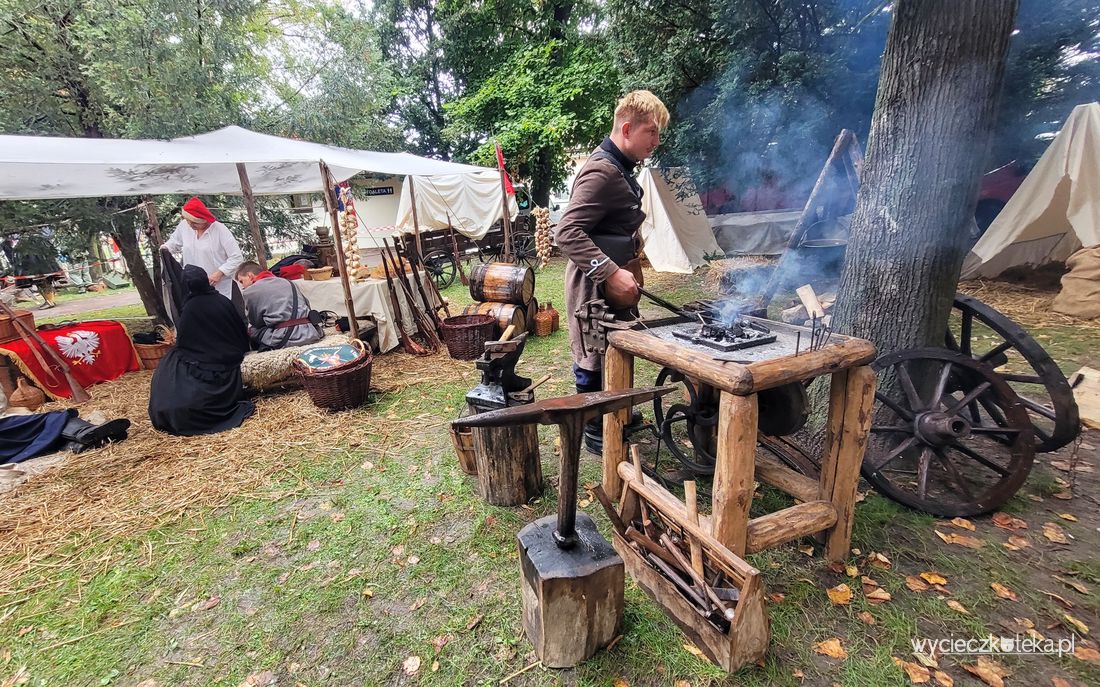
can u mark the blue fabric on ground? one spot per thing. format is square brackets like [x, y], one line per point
[27, 436]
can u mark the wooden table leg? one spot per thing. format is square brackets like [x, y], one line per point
[734, 469]
[618, 373]
[851, 396]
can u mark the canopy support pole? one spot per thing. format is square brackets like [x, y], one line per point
[416, 220]
[505, 220]
[253, 220]
[328, 183]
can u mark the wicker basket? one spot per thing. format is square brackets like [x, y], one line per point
[465, 335]
[150, 354]
[343, 387]
[320, 273]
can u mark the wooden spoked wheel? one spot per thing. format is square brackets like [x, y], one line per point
[931, 450]
[442, 267]
[986, 335]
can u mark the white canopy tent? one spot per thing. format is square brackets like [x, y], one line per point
[676, 232]
[43, 167]
[1055, 211]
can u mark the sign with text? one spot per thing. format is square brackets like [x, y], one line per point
[379, 191]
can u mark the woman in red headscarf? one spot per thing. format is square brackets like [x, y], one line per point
[207, 243]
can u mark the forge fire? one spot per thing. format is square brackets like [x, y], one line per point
[739, 334]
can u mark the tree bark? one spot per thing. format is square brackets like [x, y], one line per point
[540, 178]
[126, 238]
[937, 100]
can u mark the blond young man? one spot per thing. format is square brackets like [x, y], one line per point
[599, 231]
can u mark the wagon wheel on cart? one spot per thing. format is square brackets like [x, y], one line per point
[929, 451]
[988, 336]
[442, 267]
[523, 249]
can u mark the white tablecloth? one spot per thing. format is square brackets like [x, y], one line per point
[368, 297]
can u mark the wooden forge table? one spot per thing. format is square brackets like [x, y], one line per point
[826, 505]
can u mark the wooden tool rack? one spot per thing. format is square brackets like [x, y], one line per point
[825, 506]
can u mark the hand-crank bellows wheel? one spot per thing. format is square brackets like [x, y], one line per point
[931, 449]
[986, 335]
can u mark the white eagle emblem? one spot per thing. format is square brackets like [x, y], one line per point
[80, 346]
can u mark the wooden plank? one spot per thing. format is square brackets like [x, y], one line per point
[809, 301]
[734, 471]
[771, 470]
[789, 524]
[1087, 395]
[768, 374]
[851, 397]
[618, 373]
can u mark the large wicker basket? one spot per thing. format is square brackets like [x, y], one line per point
[150, 354]
[465, 335]
[338, 389]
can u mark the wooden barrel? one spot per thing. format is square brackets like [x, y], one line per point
[502, 282]
[532, 310]
[505, 314]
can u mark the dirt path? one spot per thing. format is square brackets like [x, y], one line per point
[129, 297]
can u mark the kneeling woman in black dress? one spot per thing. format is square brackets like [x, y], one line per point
[197, 386]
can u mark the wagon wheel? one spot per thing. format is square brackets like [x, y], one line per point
[523, 249]
[1038, 380]
[685, 423]
[442, 267]
[929, 452]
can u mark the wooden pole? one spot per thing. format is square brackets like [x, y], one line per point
[734, 471]
[253, 220]
[327, 184]
[151, 217]
[416, 219]
[506, 221]
[618, 373]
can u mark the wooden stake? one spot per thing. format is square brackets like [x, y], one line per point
[618, 373]
[733, 475]
[416, 219]
[693, 516]
[327, 182]
[253, 220]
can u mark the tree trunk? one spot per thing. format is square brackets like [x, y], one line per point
[540, 179]
[936, 106]
[126, 238]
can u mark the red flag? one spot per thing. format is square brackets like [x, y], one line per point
[508, 188]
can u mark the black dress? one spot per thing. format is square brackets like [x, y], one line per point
[197, 386]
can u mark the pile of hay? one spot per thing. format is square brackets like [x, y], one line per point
[152, 479]
[1030, 307]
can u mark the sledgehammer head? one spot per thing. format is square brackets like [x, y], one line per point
[553, 411]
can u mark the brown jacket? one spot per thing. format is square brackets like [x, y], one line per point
[602, 203]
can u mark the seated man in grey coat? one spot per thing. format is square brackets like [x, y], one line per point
[277, 313]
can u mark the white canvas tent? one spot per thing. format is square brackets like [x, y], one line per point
[471, 201]
[42, 167]
[676, 232]
[1055, 211]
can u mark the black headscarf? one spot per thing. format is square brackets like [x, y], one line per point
[210, 329]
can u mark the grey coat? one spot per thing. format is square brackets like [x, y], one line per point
[269, 301]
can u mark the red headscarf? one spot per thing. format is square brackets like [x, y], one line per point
[195, 210]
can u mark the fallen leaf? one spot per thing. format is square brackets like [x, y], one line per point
[797, 673]
[963, 524]
[1077, 624]
[1008, 522]
[435, 666]
[1056, 681]
[474, 622]
[490, 521]
[1068, 516]
[836, 566]
[208, 603]
[398, 551]
[1073, 583]
[1060, 599]
[1054, 533]
[807, 550]
[877, 560]
[831, 648]
[956, 606]
[411, 666]
[851, 571]
[1087, 654]
[988, 671]
[1003, 592]
[916, 584]
[933, 577]
[696, 652]
[877, 596]
[1015, 543]
[367, 592]
[367, 465]
[918, 674]
[413, 560]
[840, 595]
[313, 545]
[416, 605]
[681, 683]
[619, 682]
[943, 679]
[1064, 495]
[960, 540]
[1025, 623]
[868, 583]
[260, 679]
[926, 660]
[776, 597]
[441, 641]
[866, 618]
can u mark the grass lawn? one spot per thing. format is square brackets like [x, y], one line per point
[375, 563]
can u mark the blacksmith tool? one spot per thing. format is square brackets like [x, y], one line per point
[674, 309]
[573, 580]
[500, 386]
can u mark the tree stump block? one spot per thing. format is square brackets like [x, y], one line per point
[572, 598]
[509, 472]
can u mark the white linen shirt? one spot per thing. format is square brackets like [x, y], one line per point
[215, 251]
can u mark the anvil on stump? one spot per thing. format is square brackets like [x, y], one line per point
[572, 578]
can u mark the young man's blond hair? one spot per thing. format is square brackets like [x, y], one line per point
[641, 105]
